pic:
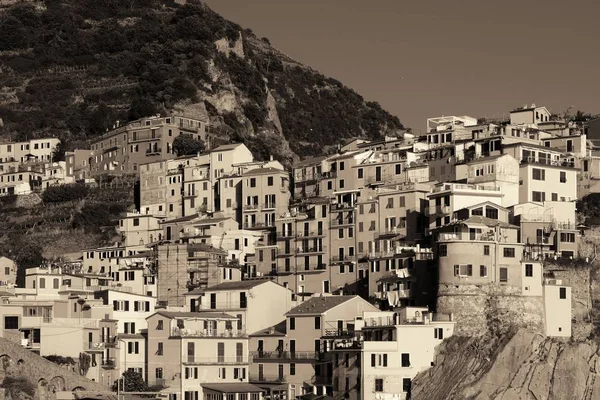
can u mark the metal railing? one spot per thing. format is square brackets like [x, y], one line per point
[311, 249]
[226, 360]
[486, 237]
[217, 333]
[109, 363]
[222, 305]
[264, 378]
[342, 258]
[269, 206]
[284, 355]
[342, 221]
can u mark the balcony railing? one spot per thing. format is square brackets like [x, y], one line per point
[548, 161]
[221, 333]
[225, 360]
[308, 234]
[311, 249]
[401, 293]
[95, 346]
[486, 237]
[258, 225]
[222, 305]
[342, 222]
[269, 206]
[264, 378]
[284, 355]
[251, 207]
[343, 258]
[109, 363]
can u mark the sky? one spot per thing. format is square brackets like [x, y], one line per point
[426, 58]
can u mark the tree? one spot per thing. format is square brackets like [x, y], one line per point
[134, 382]
[185, 145]
[59, 152]
[16, 386]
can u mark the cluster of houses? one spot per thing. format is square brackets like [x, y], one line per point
[238, 279]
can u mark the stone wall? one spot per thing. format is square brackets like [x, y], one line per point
[496, 309]
[47, 376]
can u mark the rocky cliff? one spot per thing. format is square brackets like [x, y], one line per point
[71, 68]
[526, 366]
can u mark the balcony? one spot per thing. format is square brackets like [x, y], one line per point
[269, 206]
[219, 360]
[439, 210]
[109, 363]
[258, 225]
[467, 237]
[311, 249]
[263, 378]
[190, 193]
[208, 333]
[251, 207]
[339, 259]
[276, 356]
[309, 234]
[342, 206]
[401, 294]
[153, 152]
[285, 235]
[342, 222]
[95, 346]
[222, 305]
[111, 343]
[548, 161]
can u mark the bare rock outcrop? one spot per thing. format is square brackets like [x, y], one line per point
[526, 366]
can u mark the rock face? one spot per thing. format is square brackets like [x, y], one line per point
[522, 367]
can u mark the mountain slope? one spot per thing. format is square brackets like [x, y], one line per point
[71, 68]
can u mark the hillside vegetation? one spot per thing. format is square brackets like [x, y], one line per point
[71, 68]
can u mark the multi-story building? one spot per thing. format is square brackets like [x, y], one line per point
[246, 300]
[197, 355]
[296, 357]
[21, 152]
[386, 351]
[8, 272]
[123, 149]
[265, 193]
[187, 266]
[140, 229]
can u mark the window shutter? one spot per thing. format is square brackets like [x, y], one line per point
[115, 305]
[136, 306]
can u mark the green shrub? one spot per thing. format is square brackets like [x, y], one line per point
[63, 193]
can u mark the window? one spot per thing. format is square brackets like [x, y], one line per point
[463, 270]
[539, 174]
[136, 222]
[252, 182]
[565, 237]
[390, 203]
[42, 283]
[292, 369]
[482, 270]
[379, 385]
[398, 169]
[55, 283]
[563, 177]
[159, 350]
[554, 196]
[486, 250]
[292, 323]
[360, 173]
[159, 327]
[341, 165]
[491, 213]
[406, 385]
[317, 322]
[158, 373]
[562, 293]
[340, 233]
[538, 196]
[438, 333]
[443, 250]
[529, 270]
[509, 252]
[503, 275]
[402, 201]
[11, 322]
[341, 183]
[405, 360]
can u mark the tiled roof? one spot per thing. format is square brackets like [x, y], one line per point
[266, 170]
[237, 285]
[478, 219]
[310, 161]
[319, 305]
[224, 147]
[241, 387]
[180, 219]
[184, 314]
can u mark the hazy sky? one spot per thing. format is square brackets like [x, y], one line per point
[423, 58]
